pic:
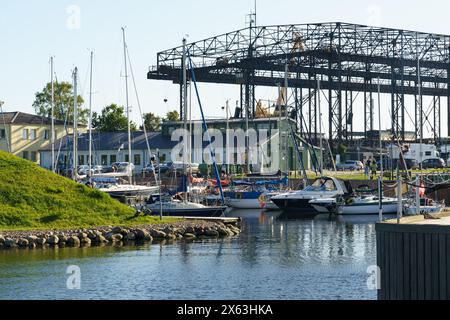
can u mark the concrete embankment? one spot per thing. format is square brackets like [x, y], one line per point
[180, 231]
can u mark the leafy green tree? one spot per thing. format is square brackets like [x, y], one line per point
[152, 122]
[173, 116]
[64, 101]
[111, 119]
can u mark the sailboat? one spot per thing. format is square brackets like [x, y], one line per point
[421, 205]
[181, 206]
[110, 183]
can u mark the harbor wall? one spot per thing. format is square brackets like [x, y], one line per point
[414, 261]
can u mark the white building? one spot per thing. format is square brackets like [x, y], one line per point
[108, 148]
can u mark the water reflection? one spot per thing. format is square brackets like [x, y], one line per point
[272, 259]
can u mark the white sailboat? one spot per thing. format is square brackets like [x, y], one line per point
[170, 206]
[359, 205]
[111, 183]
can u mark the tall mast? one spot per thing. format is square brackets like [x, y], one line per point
[75, 124]
[127, 102]
[419, 84]
[52, 103]
[380, 180]
[286, 85]
[185, 118]
[320, 128]
[90, 120]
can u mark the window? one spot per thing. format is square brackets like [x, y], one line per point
[137, 159]
[104, 160]
[46, 135]
[112, 158]
[25, 155]
[25, 134]
[2, 134]
[127, 158]
[428, 153]
[56, 134]
[80, 160]
[33, 156]
[33, 134]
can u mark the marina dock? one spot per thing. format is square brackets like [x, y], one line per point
[414, 258]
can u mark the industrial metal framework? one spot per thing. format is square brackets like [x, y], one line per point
[348, 59]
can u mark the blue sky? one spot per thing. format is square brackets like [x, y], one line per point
[31, 31]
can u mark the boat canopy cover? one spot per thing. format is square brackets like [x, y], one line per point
[104, 180]
[242, 183]
[284, 181]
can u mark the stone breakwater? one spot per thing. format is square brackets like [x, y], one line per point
[183, 231]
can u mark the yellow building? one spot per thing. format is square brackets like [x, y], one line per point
[25, 134]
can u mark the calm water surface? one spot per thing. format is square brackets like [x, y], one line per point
[272, 259]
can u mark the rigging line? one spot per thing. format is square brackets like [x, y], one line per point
[84, 87]
[142, 116]
[66, 119]
[205, 127]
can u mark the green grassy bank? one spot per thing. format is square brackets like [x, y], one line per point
[32, 198]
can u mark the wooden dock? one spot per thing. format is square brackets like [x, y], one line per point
[414, 258]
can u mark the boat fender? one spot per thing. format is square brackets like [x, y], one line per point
[350, 201]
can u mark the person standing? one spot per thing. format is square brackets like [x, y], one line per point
[374, 169]
[367, 168]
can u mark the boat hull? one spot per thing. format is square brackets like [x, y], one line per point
[296, 208]
[244, 203]
[361, 210]
[195, 212]
[412, 211]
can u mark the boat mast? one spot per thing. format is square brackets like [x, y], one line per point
[380, 179]
[52, 104]
[185, 120]
[320, 128]
[128, 105]
[419, 88]
[75, 124]
[286, 84]
[90, 121]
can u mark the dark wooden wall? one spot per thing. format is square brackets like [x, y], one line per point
[414, 262]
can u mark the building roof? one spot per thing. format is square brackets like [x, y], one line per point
[115, 141]
[18, 117]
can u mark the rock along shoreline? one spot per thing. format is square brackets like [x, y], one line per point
[180, 231]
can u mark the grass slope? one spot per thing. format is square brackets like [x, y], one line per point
[34, 198]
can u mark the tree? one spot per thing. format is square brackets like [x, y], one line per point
[152, 122]
[112, 119]
[64, 101]
[173, 116]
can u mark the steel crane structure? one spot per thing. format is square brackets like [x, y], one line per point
[349, 60]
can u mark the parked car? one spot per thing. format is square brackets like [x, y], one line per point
[122, 166]
[389, 164]
[83, 170]
[164, 167]
[98, 169]
[107, 169]
[350, 165]
[149, 169]
[436, 163]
